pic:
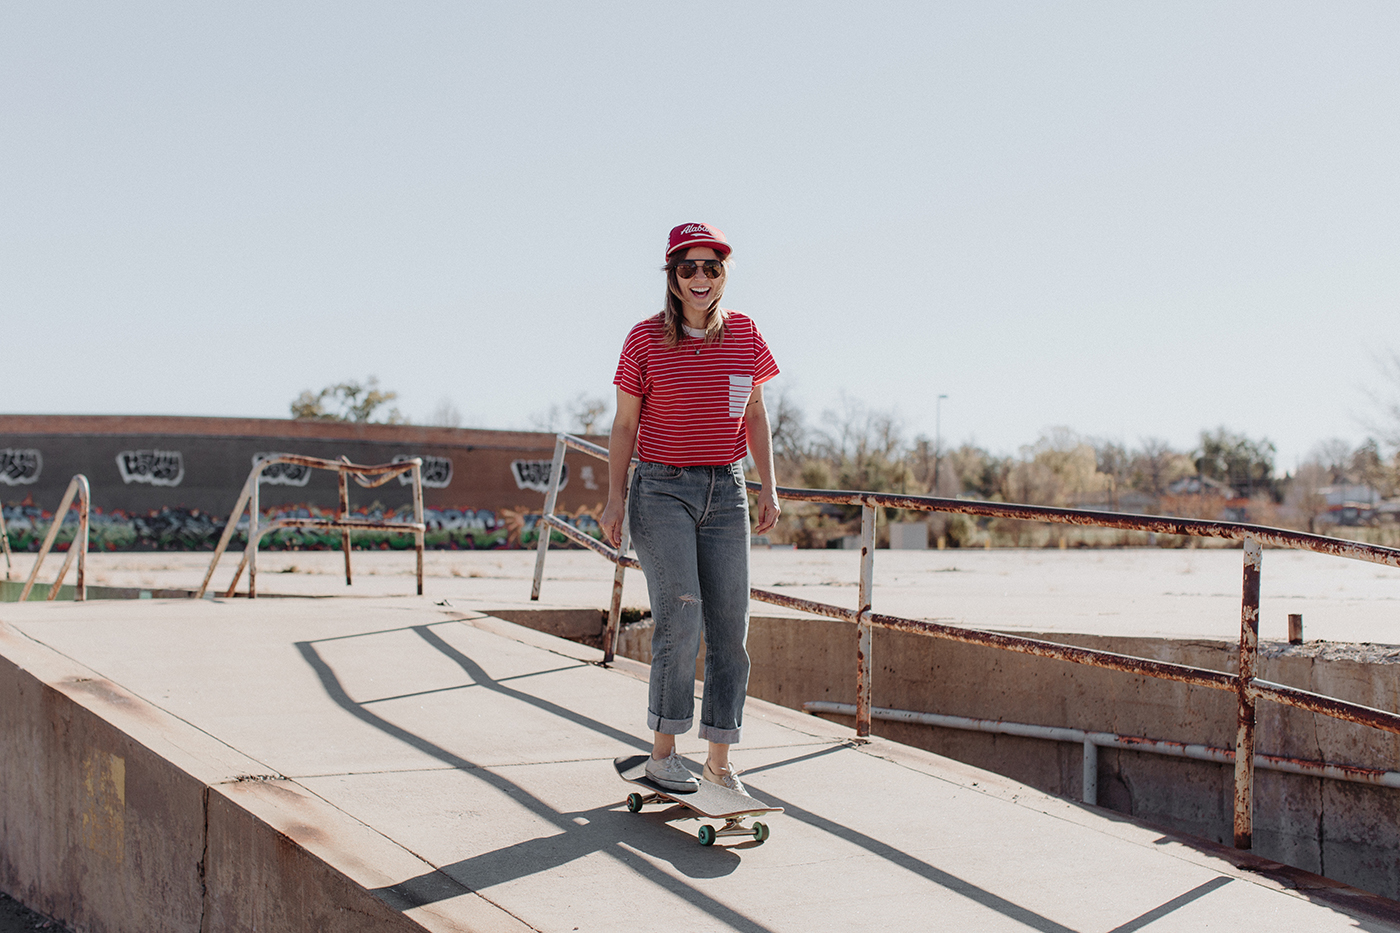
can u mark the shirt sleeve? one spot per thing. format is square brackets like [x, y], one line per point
[631, 364]
[764, 366]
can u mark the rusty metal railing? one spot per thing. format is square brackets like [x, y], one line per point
[77, 486]
[343, 522]
[1247, 687]
[5, 543]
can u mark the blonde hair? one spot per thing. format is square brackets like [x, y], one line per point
[673, 315]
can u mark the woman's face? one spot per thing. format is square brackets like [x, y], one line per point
[698, 292]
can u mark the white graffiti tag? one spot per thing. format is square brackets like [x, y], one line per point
[157, 467]
[20, 466]
[282, 474]
[534, 474]
[437, 471]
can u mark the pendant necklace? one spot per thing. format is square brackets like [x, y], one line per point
[696, 332]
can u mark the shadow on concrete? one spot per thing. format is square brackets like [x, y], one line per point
[601, 830]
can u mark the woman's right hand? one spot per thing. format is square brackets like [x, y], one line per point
[612, 521]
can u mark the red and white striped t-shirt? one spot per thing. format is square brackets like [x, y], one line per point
[693, 403]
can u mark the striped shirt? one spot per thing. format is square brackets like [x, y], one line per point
[693, 402]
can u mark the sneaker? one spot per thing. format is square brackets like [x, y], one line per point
[671, 773]
[728, 778]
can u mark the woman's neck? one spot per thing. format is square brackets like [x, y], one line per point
[696, 319]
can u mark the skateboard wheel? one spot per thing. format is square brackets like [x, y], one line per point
[707, 835]
[634, 803]
[760, 831]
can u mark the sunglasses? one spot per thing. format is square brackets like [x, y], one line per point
[686, 268]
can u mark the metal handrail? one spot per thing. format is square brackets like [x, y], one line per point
[1244, 684]
[248, 498]
[77, 486]
[5, 542]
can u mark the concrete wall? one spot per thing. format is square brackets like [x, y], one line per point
[1349, 832]
[115, 816]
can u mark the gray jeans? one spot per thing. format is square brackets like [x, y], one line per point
[690, 526]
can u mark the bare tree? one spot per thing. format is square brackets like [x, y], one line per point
[446, 414]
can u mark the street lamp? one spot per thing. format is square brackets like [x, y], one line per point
[937, 438]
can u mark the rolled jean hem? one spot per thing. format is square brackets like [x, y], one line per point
[668, 726]
[719, 736]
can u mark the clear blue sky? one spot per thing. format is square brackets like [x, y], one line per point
[1130, 219]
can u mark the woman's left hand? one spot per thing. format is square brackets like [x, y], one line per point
[768, 510]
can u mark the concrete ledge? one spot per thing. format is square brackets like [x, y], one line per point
[117, 816]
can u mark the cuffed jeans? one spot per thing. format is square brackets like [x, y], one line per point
[690, 526]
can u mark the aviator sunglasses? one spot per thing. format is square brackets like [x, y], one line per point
[686, 268]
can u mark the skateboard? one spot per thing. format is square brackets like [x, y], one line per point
[710, 801]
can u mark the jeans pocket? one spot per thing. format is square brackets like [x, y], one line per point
[661, 471]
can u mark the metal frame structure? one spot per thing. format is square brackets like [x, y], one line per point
[77, 486]
[1246, 686]
[256, 532]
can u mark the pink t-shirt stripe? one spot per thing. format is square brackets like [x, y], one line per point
[693, 403]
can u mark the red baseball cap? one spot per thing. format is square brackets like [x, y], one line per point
[687, 235]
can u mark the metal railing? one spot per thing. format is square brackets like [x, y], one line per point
[1248, 688]
[5, 542]
[1093, 741]
[343, 522]
[77, 486]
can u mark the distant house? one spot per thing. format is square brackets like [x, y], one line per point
[1130, 501]
[1201, 486]
[1354, 504]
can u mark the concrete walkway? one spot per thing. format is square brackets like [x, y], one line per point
[459, 768]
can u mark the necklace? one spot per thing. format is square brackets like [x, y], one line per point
[696, 332]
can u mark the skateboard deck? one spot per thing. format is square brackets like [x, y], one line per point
[709, 801]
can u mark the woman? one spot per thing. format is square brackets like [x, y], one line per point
[690, 404]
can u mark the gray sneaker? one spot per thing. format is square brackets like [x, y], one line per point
[671, 773]
[727, 778]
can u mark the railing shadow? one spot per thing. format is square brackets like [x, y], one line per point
[603, 829]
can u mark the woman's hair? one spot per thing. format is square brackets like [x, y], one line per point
[673, 316]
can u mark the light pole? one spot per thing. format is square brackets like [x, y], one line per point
[937, 438]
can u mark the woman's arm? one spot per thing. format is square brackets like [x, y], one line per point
[761, 448]
[621, 443]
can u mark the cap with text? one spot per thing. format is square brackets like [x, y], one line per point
[688, 235]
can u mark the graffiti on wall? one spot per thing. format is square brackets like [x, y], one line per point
[282, 474]
[20, 466]
[534, 474]
[156, 467]
[437, 471]
[181, 529]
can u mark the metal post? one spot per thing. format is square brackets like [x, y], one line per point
[1090, 791]
[78, 546]
[250, 553]
[1295, 628]
[59, 514]
[5, 541]
[227, 536]
[550, 498]
[84, 508]
[344, 512]
[624, 542]
[417, 517]
[1244, 736]
[863, 627]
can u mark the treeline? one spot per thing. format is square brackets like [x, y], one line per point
[1225, 475]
